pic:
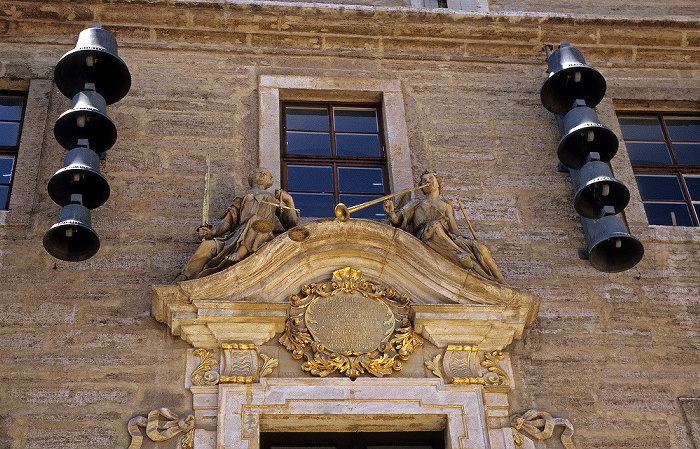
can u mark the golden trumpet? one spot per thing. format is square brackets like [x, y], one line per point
[342, 212]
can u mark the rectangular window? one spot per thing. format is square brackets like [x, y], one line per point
[11, 116]
[333, 153]
[665, 154]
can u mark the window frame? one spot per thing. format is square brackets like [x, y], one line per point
[674, 169]
[334, 161]
[13, 151]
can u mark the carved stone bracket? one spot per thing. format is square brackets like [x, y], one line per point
[463, 365]
[161, 425]
[540, 426]
[240, 363]
[350, 325]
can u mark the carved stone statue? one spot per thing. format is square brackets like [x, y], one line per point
[432, 220]
[246, 226]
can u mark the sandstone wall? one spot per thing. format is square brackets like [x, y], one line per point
[81, 353]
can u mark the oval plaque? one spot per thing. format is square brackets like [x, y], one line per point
[349, 322]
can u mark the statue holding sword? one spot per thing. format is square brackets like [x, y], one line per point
[247, 225]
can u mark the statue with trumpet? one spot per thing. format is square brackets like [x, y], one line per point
[432, 220]
[248, 223]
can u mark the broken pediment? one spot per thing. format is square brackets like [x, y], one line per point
[249, 302]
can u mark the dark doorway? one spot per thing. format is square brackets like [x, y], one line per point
[352, 440]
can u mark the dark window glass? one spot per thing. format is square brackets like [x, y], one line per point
[687, 153]
[668, 214]
[308, 119]
[665, 154]
[659, 187]
[6, 167]
[361, 180]
[11, 108]
[683, 128]
[356, 120]
[641, 128]
[648, 152]
[308, 143]
[310, 178]
[693, 183]
[9, 134]
[11, 115]
[326, 162]
[354, 145]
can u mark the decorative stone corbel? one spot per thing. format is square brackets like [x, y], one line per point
[240, 363]
[540, 426]
[463, 365]
[161, 425]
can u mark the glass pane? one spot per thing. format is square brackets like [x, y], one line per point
[6, 164]
[648, 152]
[308, 119]
[9, 133]
[360, 180]
[683, 128]
[11, 108]
[666, 213]
[356, 120]
[310, 178]
[314, 144]
[641, 128]
[659, 187]
[374, 212]
[693, 184]
[4, 197]
[363, 145]
[314, 204]
[687, 153]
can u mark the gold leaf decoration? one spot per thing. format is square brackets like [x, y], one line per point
[495, 376]
[434, 365]
[322, 327]
[203, 375]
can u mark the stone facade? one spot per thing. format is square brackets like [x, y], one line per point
[618, 355]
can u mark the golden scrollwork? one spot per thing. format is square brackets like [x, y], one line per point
[203, 375]
[349, 325]
[495, 375]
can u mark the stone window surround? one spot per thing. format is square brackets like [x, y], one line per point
[272, 89]
[24, 187]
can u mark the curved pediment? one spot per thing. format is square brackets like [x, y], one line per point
[260, 285]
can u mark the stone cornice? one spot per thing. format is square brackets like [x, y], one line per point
[249, 301]
[360, 31]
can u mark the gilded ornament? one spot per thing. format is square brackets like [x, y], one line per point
[349, 325]
[203, 375]
[495, 376]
